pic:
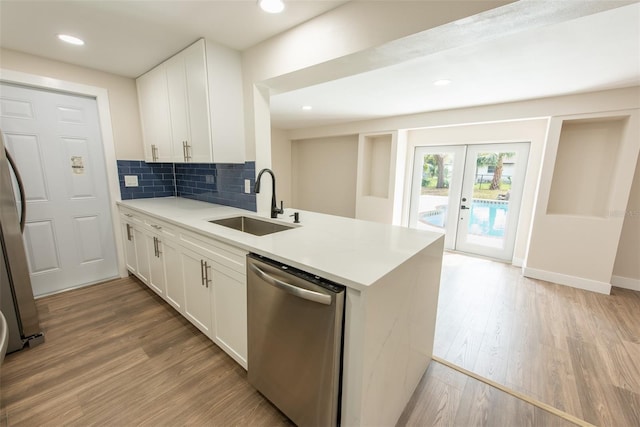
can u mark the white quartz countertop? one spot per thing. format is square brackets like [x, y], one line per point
[351, 252]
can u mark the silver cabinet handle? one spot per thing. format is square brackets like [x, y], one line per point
[157, 227]
[291, 289]
[129, 232]
[202, 271]
[156, 247]
[158, 243]
[207, 267]
[184, 150]
[129, 215]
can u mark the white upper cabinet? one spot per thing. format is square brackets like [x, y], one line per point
[191, 106]
[153, 98]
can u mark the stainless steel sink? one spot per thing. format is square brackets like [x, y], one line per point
[250, 225]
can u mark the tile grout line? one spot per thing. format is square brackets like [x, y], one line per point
[571, 418]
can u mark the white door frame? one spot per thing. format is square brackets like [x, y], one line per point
[102, 99]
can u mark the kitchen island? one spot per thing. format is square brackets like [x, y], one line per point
[392, 276]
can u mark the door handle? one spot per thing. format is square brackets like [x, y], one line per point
[464, 207]
[291, 289]
[23, 199]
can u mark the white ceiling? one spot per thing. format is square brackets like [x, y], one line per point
[594, 52]
[129, 37]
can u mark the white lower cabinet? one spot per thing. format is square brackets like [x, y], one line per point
[157, 277]
[197, 290]
[142, 255]
[129, 246]
[202, 278]
[174, 294]
[229, 304]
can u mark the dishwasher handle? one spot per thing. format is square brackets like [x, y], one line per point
[291, 289]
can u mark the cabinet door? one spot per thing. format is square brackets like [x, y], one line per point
[178, 108]
[197, 305]
[173, 273]
[230, 312]
[129, 247]
[142, 255]
[197, 103]
[156, 264]
[153, 98]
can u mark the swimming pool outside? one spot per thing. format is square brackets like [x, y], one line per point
[488, 217]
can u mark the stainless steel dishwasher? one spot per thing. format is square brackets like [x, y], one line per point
[295, 322]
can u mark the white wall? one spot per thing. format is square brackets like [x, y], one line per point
[281, 165]
[626, 270]
[123, 98]
[575, 243]
[324, 175]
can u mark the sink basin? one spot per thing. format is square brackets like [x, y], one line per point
[250, 225]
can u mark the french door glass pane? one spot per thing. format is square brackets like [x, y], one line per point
[433, 206]
[490, 203]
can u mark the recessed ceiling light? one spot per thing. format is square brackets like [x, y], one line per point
[71, 39]
[441, 82]
[307, 107]
[272, 6]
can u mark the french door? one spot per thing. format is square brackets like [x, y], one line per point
[472, 193]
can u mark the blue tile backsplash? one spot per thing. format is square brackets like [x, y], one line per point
[154, 179]
[209, 182]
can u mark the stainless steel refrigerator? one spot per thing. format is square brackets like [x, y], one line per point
[16, 297]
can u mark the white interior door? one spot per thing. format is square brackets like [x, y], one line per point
[55, 141]
[472, 194]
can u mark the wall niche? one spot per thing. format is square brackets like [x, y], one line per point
[583, 178]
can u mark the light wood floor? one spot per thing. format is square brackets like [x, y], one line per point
[576, 350]
[116, 354]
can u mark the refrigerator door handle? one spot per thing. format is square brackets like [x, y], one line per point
[23, 202]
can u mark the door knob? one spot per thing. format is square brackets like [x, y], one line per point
[463, 207]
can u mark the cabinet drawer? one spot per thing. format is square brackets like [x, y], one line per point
[160, 227]
[226, 255]
[131, 217]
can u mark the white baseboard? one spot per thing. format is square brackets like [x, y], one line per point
[564, 279]
[626, 282]
[517, 262]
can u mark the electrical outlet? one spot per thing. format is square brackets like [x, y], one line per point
[131, 180]
[247, 186]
